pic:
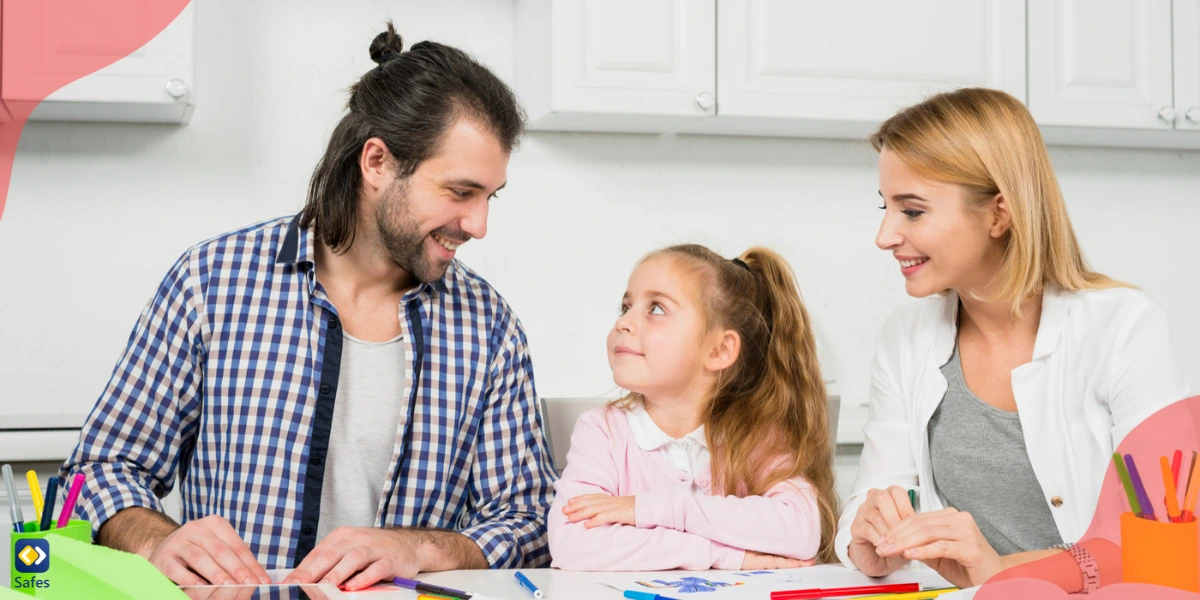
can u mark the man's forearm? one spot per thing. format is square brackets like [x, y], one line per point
[135, 530]
[442, 550]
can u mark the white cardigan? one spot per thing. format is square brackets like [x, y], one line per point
[1102, 362]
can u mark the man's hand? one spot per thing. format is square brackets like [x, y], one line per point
[601, 509]
[882, 510]
[378, 554]
[204, 551]
[201, 552]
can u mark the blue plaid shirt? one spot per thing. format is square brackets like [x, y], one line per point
[228, 384]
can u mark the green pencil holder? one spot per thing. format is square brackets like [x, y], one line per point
[75, 568]
[33, 570]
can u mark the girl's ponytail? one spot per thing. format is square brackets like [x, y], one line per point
[792, 373]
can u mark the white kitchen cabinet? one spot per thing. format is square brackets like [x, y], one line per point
[615, 65]
[1101, 63]
[840, 67]
[1186, 22]
[155, 83]
[1122, 73]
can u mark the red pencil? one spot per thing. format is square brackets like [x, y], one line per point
[894, 588]
[1176, 460]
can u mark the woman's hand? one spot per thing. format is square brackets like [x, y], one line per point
[756, 561]
[601, 509]
[882, 510]
[948, 541]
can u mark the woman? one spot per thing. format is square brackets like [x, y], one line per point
[1000, 397]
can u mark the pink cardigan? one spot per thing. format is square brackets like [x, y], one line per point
[680, 525]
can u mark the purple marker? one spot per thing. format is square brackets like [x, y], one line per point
[1143, 498]
[421, 586]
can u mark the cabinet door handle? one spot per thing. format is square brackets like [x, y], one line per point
[705, 101]
[1167, 113]
[1193, 114]
[177, 88]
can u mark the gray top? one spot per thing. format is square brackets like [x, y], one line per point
[367, 413]
[981, 466]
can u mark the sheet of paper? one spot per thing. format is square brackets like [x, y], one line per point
[703, 584]
[379, 591]
[263, 592]
[720, 584]
[277, 575]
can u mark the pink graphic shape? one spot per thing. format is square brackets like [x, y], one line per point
[47, 44]
[1176, 427]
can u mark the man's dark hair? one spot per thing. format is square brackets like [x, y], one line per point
[409, 101]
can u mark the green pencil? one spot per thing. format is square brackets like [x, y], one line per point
[1123, 473]
[912, 498]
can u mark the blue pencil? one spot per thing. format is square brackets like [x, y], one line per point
[48, 510]
[1143, 498]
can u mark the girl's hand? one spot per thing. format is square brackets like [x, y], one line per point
[757, 560]
[880, 512]
[948, 541]
[601, 509]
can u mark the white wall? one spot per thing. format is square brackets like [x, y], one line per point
[98, 212]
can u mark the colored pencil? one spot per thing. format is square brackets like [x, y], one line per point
[14, 501]
[812, 593]
[1123, 474]
[921, 595]
[1172, 495]
[68, 509]
[1189, 501]
[48, 511]
[1189, 470]
[1143, 499]
[36, 488]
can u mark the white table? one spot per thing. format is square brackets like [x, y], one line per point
[571, 585]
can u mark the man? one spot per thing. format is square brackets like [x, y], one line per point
[335, 392]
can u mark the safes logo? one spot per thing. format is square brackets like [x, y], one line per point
[32, 556]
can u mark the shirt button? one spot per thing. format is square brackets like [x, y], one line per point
[1056, 501]
[324, 388]
[307, 530]
[333, 323]
[318, 460]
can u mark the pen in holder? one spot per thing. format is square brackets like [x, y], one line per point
[1166, 554]
[32, 568]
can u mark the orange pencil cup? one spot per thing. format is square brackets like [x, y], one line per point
[1166, 554]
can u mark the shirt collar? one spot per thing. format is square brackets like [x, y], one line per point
[650, 437]
[1056, 304]
[297, 246]
[297, 249]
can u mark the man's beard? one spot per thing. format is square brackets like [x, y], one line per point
[400, 234]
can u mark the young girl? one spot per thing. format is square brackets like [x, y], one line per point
[719, 456]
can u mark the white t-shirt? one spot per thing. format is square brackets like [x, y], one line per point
[368, 412]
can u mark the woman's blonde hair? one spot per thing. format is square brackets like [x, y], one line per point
[986, 141]
[766, 419]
